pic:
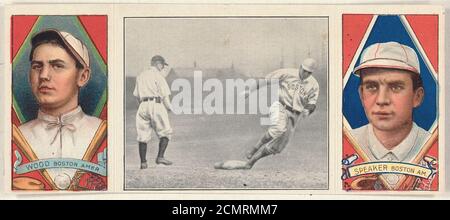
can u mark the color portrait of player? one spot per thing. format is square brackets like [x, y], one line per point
[62, 138]
[390, 88]
[390, 105]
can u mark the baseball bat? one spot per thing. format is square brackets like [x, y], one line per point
[405, 180]
[96, 141]
[28, 152]
[363, 155]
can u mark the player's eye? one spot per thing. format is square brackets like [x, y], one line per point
[57, 66]
[36, 67]
[397, 88]
[371, 87]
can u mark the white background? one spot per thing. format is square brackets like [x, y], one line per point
[6, 109]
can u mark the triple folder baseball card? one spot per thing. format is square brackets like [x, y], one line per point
[220, 100]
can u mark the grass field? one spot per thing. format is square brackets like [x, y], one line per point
[201, 140]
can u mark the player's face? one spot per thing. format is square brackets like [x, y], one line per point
[303, 74]
[388, 98]
[54, 78]
[159, 65]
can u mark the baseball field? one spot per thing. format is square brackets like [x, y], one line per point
[199, 141]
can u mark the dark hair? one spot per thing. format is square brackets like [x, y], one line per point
[416, 79]
[58, 43]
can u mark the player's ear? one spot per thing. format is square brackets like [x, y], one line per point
[418, 96]
[83, 77]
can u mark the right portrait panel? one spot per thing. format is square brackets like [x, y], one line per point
[390, 102]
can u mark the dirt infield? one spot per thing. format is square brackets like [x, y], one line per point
[201, 140]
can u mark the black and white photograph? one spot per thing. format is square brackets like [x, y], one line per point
[226, 103]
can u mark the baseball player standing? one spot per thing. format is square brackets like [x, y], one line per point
[152, 93]
[298, 93]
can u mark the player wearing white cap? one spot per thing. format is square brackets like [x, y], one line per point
[390, 88]
[298, 94]
[59, 68]
[152, 93]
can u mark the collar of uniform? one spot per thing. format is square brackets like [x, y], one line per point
[400, 151]
[68, 118]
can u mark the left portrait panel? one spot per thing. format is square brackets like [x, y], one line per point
[59, 72]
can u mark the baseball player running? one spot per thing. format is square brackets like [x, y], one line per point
[298, 93]
[152, 93]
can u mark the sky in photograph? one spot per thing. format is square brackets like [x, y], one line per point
[252, 45]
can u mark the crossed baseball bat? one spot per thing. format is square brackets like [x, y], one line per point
[28, 152]
[405, 182]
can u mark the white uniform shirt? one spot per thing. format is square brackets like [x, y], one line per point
[67, 136]
[293, 89]
[406, 151]
[151, 83]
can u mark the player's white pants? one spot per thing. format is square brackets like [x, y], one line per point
[282, 127]
[152, 115]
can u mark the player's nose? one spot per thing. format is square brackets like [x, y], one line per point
[44, 73]
[383, 96]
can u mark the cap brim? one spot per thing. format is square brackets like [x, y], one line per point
[161, 61]
[55, 34]
[384, 63]
[307, 69]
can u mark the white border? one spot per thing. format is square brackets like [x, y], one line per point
[115, 90]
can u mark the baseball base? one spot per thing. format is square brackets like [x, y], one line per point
[231, 165]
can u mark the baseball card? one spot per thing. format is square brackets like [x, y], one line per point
[392, 89]
[207, 101]
[59, 97]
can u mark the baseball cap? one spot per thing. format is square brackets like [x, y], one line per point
[159, 58]
[309, 64]
[392, 55]
[72, 44]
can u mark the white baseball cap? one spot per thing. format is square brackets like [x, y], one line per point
[309, 64]
[71, 43]
[392, 55]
